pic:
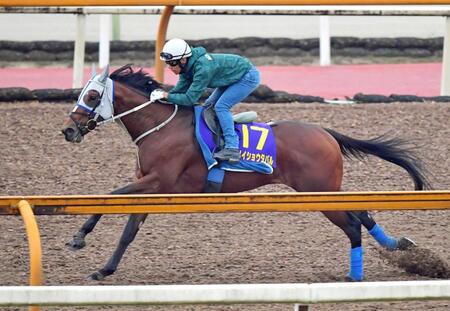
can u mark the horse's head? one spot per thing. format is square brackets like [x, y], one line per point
[101, 100]
[94, 104]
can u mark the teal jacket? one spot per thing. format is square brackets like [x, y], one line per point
[205, 70]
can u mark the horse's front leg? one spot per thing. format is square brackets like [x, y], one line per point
[128, 235]
[148, 184]
[78, 240]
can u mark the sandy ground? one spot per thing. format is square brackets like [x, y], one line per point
[224, 248]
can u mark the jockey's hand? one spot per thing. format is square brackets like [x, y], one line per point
[157, 95]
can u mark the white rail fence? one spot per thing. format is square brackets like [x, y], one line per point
[324, 25]
[224, 294]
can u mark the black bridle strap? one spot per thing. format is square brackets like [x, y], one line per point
[82, 129]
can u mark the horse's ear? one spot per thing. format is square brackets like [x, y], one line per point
[93, 71]
[104, 74]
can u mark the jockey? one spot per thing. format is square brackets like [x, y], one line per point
[233, 77]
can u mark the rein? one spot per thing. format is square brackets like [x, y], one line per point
[137, 108]
[114, 118]
[157, 128]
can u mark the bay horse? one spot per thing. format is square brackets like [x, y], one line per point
[309, 159]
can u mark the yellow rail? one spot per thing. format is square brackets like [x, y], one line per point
[223, 203]
[213, 2]
[34, 243]
[161, 38]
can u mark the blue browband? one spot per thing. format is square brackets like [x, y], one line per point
[85, 107]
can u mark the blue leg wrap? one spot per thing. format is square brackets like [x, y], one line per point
[356, 264]
[382, 238]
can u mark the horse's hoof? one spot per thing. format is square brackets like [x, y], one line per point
[76, 243]
[405, 243]
[348, 278]
[96, 276]
[100, 275]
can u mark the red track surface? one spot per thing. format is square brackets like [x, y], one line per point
[337, 81]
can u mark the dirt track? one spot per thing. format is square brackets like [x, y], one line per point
[225, 248]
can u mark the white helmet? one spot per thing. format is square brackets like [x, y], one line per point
[175, 49]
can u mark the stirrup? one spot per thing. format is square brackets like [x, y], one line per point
[228, 154]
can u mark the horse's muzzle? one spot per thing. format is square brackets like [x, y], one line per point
[72, 135]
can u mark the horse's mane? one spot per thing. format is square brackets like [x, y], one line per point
[138, 80]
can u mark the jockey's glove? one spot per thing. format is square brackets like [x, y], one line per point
[156, 95]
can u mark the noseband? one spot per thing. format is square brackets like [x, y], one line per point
[90, 125]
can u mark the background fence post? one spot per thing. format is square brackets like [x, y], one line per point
[104, 38]
[445, 79]
[325, 57]
[78, 55]
[116, 27]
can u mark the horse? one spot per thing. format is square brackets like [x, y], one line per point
[309, 159]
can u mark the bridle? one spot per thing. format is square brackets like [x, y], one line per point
[95, 119]
[89, 112]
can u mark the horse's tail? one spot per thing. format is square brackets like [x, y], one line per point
[394, 150]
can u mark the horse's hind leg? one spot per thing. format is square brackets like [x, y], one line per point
[350, 223]
[128, 235]
[377, 232]
[78, 241]
[351, 226]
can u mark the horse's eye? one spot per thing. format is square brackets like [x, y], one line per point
[92, 96]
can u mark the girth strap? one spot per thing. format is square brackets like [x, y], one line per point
[214, 180]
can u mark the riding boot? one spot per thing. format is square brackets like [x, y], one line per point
[231, 155]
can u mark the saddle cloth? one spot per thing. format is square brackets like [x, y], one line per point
[256, 144]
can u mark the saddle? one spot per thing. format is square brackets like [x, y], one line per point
[211, 120]
[258, 153]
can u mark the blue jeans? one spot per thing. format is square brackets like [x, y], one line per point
[226, 97]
